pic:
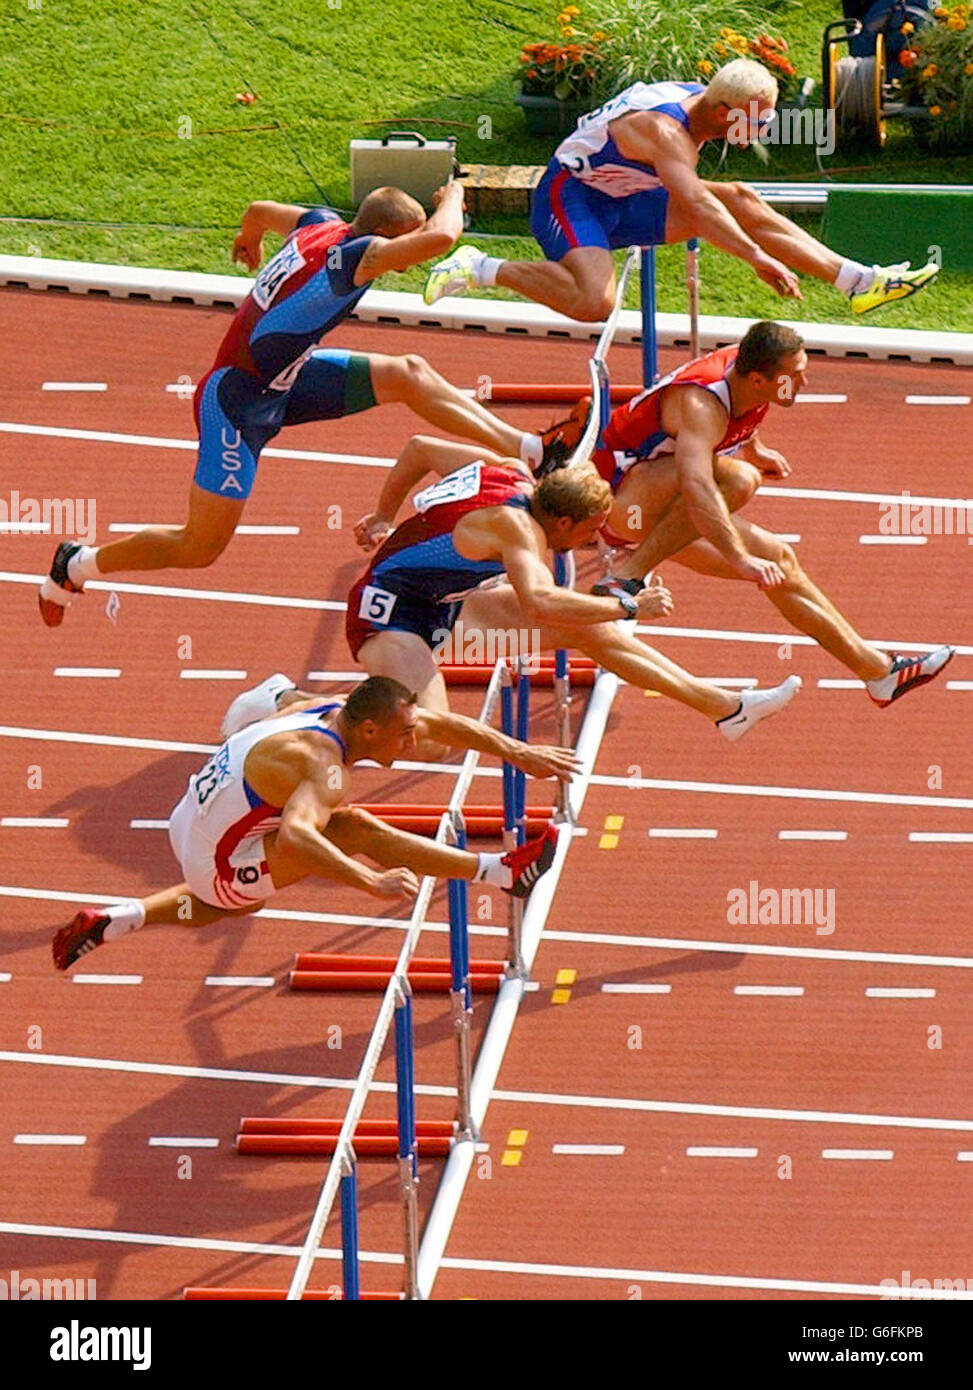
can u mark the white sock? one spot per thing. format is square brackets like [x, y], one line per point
[854, 278]
[487, 270]
[491, 869]
[531, 449]
[82, 566]
[122, 918]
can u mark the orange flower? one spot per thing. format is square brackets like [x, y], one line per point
[908, 58]
[930, 71]
[935, 110]
[968, 70]
[908, 29]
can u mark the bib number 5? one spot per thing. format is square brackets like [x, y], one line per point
[376, 605]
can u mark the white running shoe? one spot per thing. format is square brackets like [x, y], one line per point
[756, 705]
[258, 703]
[908, 673]
[455, 275]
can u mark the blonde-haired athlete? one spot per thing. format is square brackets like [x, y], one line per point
[626, 176]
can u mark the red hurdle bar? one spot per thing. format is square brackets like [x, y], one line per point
[364, 981]
[435, 965]
[548, 391]
[583, 672]
[270, 1124]
[211, 1295]
[366, 1145]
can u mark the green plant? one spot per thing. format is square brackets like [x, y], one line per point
[651, 42]
[565, 70]
[939, 74]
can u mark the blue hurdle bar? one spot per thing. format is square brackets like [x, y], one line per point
[650, 349]
[349, 1235]
[510, 840]
[562, 684]
[408, 1160]
[523, 728]
[460, 992]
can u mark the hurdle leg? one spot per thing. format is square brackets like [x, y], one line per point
[514, 952]
[407, 1160]
[692, 286]
[460, 994]
[351, 1286]
[650, 352]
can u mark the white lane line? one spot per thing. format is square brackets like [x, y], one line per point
[183, 389]
[477, 1266]
[107, 979]
[125, 528]
[965, 1156]
[611, 988]
[75, 1140]
[937, 400]
[74, 385]
[860, 1155]
[718, 1151]
[819, 398]
[201, 675]
[5, 977]
[151, 441]
[670, 784]
[89, 672]
[811, 494]
[940, 837]
[781, 991]
[172, 1141]
[148, 825]
[241, 981]
[660, 832]
[34, 822]
[155, 745]
[271, 1078]
[334, 675]
[531, 986]
[581, 1102]
[589, 1150]
[210, 595]
[959, 685]
[874, 539]
[778, 639]
[882, 993]
[841, 685]
[812, 834]
[732, 682]
[25, 527]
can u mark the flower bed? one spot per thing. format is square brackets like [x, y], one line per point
[938, 74]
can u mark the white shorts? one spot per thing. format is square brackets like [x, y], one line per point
[251, 882]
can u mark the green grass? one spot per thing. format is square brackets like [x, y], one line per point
[95, 95]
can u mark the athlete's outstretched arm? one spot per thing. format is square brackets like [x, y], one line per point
[456, 731]
[300, 837]
[260, 218]
[437, 236]
[422, 456]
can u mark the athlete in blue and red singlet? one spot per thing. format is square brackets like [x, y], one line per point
[269, 373]
[475, 555]
[626, 176]
[685, 456]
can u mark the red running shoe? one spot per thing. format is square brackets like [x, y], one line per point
[528, 862]
[56, 591]
[84, 932]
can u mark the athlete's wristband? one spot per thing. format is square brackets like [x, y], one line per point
[610, 588]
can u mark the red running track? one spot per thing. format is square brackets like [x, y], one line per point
[687, 1063]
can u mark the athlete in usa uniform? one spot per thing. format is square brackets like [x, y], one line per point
[626, 176]
[270, 374]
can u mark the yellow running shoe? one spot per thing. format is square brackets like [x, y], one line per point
[454, 275]
[893, 282]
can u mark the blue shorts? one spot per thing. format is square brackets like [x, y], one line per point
[236, 415]
[566, 214]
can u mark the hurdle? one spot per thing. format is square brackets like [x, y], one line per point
[522, 392]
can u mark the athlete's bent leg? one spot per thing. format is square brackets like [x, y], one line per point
[411, 381]
[581, 285]
[405, 657]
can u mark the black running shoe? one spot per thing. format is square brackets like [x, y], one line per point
[562, 438]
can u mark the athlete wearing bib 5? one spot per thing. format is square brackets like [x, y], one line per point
[626, 176]
[270, 374]
[266, 810]
[475, 551]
